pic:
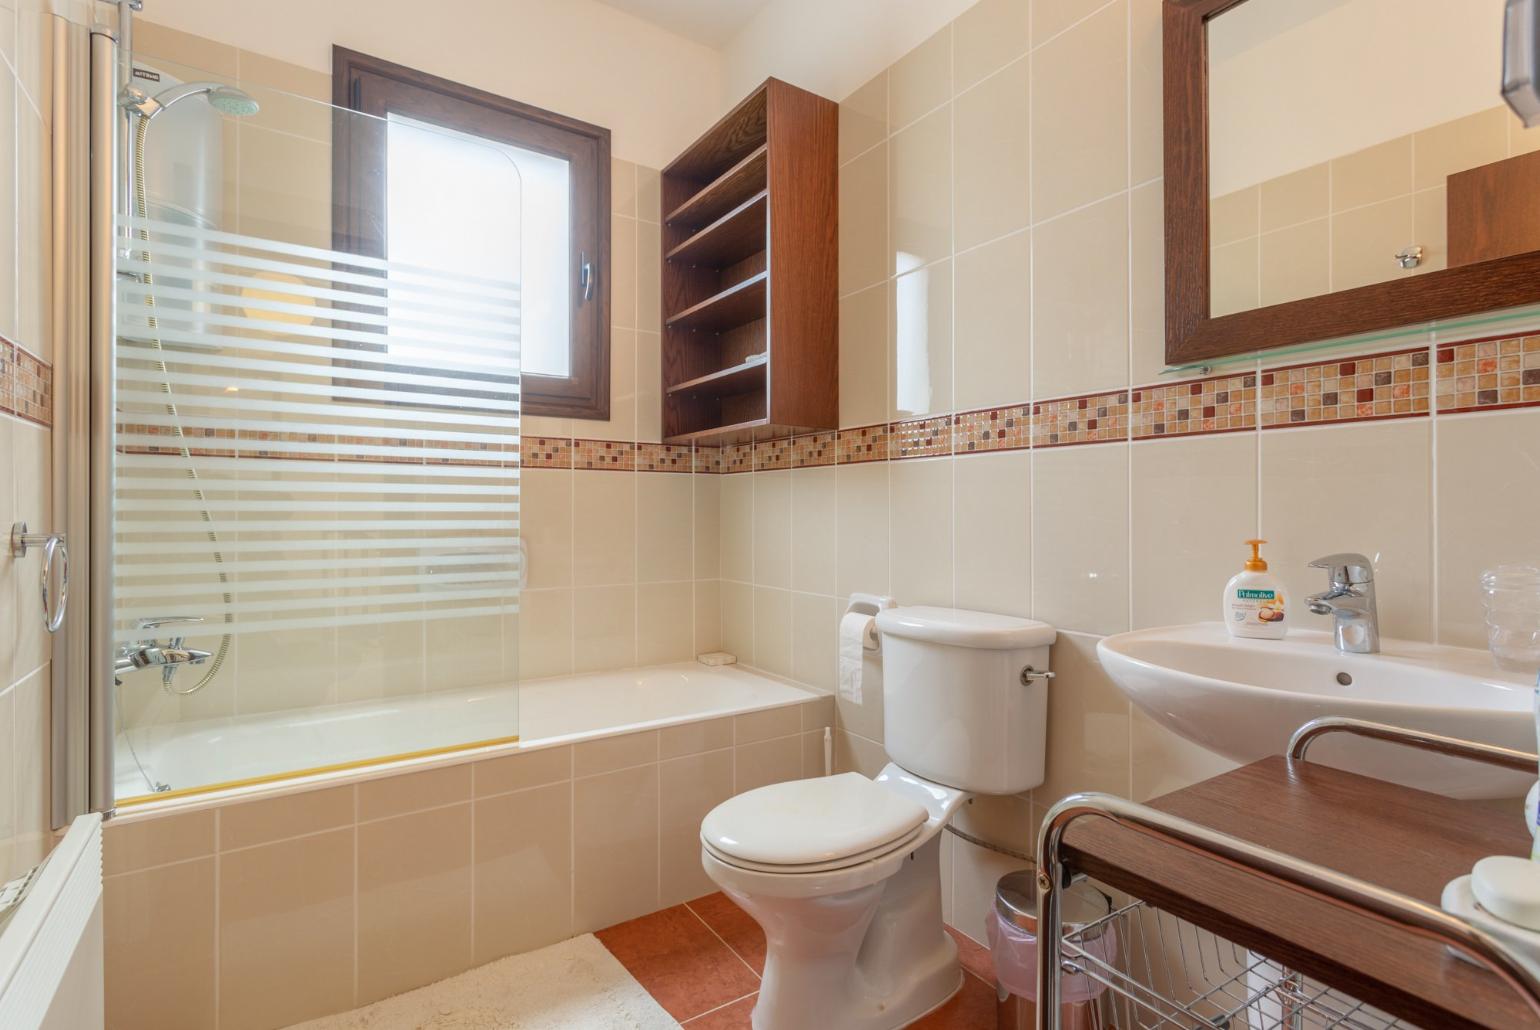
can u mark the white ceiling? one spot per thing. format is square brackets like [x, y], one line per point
[712, 22]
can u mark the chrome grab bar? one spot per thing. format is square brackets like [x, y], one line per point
[1491, 754]
[53, 546]
[1306, 877]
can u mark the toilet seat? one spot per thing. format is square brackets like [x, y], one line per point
[812, 826]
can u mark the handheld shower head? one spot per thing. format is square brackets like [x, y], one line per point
[225, 99]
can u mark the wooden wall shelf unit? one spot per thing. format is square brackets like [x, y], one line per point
[750, 273]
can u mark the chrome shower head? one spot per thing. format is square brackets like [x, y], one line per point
[225, 99]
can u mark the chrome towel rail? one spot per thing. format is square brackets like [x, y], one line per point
[54, 547]
[1491, 754]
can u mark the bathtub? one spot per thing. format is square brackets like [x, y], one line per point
[193, 756]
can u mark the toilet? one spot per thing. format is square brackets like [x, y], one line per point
[843, 872]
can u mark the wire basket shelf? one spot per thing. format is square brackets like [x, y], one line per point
[1167, 974]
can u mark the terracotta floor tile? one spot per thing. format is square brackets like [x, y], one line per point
[679, 962]
[733, 925]
[975, 956]
[729, 1017]
[972, 1008]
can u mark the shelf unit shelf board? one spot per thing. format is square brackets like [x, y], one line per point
[738, 304]
[724, 193]
[740, 378]
[731, 238]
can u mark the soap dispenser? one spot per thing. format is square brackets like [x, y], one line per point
[1253, 601]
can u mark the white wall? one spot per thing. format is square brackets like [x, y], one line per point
[655, 91]
[1293, 83]
[830, 46]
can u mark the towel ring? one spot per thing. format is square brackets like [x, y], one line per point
[54, 547]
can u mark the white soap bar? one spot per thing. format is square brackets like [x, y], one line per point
[715, 658]
[1508, 888]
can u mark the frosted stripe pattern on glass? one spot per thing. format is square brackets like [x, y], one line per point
[307, 437]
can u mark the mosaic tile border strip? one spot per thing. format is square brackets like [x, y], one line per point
[1488, 375]
[26, 385]
[1221, 404]
[1358, 389]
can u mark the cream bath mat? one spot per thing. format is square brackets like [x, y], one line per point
[574, 985]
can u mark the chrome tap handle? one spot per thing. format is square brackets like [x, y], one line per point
[168, 620]
[1347, 569]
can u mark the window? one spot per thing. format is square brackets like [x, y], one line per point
[445, 155]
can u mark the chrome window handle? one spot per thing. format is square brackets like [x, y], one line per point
[585, 276]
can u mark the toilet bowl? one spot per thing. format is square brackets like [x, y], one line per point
[843, 873]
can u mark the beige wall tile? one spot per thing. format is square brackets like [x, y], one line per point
[690, 788]
[520, 771]
[1455, 146]
[545, 633]
[159, 943]
[974, 870]
[1296, 197]
[545, 523]
[466, 652]
[414, 900]
[1296, 262]
[694, 737]
[920, 358]
[772, 630]
[1488, 492]
[738, 527]
[1194, 502]
[1234, 216]
[986, 37]
[604, 631]
[1146, 90]
[767, 724]
[864, 118]
[665, 623]
[622, 187]
[1371, 175]
[1385, 469]
[287, 815]
[1235, 278]
[1147, 286]
[862, 542]
[864, 718]
[992, 539]
[649, 283]
[812, 530]
[993, 147]
[523, 871]
[1080, 112]
[288, 670]
[152, 41]
[738, 620]
[864, 357]
[772, 528]
[708, 526]
[1162, 762]
[129, 844]
[920, 192]
[814, 639]
[992, 323]
[615, 836]
[623, 273]
[858, 754]
[409, 792]
[649, 194]
[813, 763]
[766, 762]
[378, 661]
[1088, 718]
[1365, 242]
[284, 187]
[608, 754]
[921, 80]
[664, 527]
[863, 209]
[293, 99]
[604, 528]
[921, 554]
[286, 931]
[1080, 537]
[818, 714]
[1080, 301]
[1051, 17]
[708, 615]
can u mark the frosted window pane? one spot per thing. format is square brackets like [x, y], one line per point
[454, 203]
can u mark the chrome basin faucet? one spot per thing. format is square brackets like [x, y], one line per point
[1350, 602]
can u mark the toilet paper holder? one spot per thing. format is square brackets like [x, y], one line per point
[870, 604]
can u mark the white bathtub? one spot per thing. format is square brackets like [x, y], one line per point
[192, 755]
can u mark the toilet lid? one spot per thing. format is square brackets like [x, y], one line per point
[811, 822]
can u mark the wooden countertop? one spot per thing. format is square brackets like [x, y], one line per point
[1407, 840]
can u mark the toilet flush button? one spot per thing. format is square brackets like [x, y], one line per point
[1508, 888]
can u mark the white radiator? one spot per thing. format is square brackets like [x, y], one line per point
[51, 969]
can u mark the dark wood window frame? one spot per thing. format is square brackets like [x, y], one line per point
[377, 87]
[1191, 333]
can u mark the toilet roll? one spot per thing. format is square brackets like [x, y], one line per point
[855, 632]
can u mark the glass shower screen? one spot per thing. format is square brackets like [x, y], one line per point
[317, 502]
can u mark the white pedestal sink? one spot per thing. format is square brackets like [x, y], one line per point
[1243, 698]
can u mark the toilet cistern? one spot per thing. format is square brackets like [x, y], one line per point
[1350, 602]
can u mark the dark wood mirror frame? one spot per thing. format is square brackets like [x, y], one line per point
[1191, 334]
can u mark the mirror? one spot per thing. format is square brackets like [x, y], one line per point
[1339, 166]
